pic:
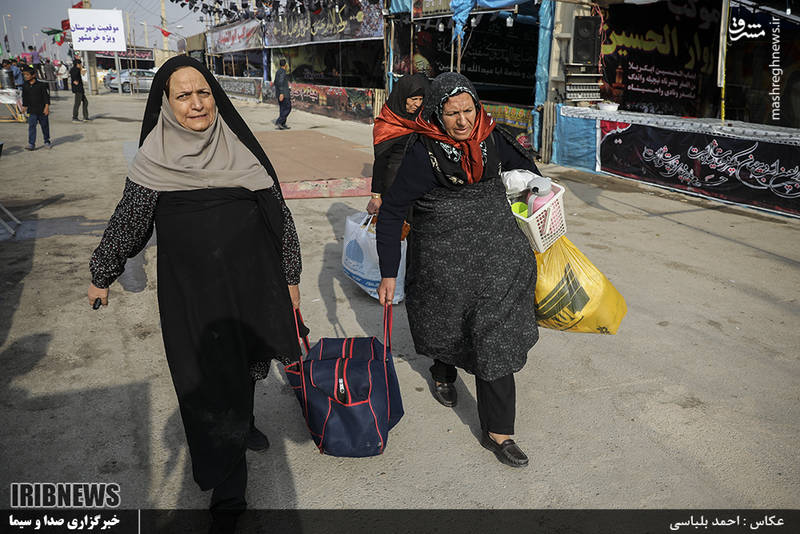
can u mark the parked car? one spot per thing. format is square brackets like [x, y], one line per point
[139, 79]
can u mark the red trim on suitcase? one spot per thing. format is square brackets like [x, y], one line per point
[322, 437]
[374, 417]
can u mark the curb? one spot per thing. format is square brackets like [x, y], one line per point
[340, 187]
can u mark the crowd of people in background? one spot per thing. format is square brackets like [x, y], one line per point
[34, 78]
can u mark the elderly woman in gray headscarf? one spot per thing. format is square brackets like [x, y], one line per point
[470, 286]
[228, 267]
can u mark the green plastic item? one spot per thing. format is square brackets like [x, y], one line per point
[520, 208]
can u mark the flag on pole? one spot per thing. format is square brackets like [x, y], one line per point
[164, 32]
[78, 5]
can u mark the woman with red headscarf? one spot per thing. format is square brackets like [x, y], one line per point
[470, 286]
[391, 133]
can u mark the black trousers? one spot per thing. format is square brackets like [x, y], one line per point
[285, 107]
[229, 497]
[497, 400]
[80, 98]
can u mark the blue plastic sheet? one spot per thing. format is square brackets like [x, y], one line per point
[400, 6]
[542, 65]
[461, 10]
[575, 142]
[498, 4]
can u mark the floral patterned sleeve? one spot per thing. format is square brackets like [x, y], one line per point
[292, 263]
[127, 233]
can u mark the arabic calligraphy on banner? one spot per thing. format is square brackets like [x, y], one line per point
[496, 54]
[353, 20]
[97, 30]
[743, 171]
[662, 57]
[243, 36]
[145, 54]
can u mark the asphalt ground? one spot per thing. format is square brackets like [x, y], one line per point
[695, 403]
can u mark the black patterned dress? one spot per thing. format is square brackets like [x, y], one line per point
[470, 286]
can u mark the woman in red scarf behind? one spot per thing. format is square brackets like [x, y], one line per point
[470, 285]
[391, 132]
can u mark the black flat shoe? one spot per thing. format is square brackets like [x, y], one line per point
[507, 452]
[257, 440]
[445, 393]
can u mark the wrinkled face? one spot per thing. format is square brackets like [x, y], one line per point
[458, 116]
[191, 100]
[413, 103]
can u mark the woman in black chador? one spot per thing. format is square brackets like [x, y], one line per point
[391, 133]
[228, 267]
[470, 286]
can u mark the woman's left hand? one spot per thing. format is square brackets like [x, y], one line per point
[294, 294]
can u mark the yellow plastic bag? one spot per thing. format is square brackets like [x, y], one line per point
[572, 295]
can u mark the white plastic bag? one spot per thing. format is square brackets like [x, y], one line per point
[360, 256]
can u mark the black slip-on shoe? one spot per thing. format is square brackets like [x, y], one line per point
[445, 393]
[507, 452]
[257, 440]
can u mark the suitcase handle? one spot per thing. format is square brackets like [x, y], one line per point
[387, 328]
[387, 331]
[302, 341]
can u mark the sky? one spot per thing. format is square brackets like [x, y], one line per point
[38, 14]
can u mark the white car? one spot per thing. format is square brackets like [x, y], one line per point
[139, 79]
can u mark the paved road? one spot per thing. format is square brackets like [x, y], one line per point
[695, 403]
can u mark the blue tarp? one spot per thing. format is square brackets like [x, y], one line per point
[400, 6]
[542, 65]
[462, 8]
[497, 4]
[575, 142]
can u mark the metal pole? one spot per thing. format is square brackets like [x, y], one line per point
[131, 75]
[458, 61]
[119, 72]
[723, 56]
[164, 25]
[91, 61]
[452, 49]
[411, 51]
[135, 57]
[5, 32]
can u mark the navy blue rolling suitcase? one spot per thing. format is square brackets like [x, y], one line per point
[348, 392]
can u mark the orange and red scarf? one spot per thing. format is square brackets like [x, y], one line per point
[389, 125]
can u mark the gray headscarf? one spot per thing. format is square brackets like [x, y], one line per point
[443, 87]
[175, 158]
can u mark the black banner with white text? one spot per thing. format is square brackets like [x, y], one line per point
[742, 171]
